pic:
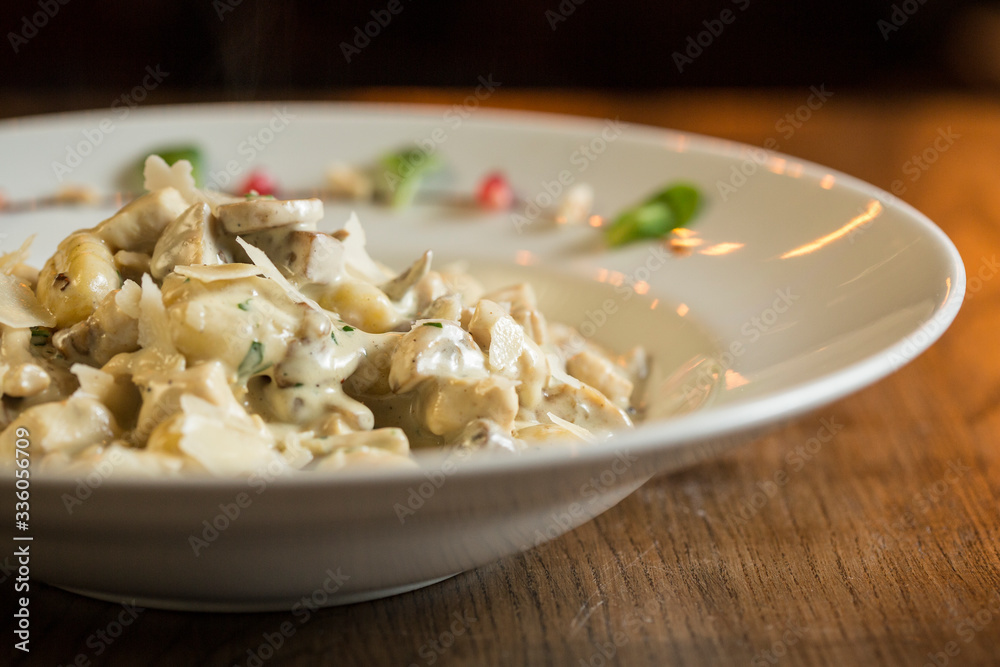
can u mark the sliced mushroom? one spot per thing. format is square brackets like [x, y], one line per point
[186, 241]
[448, 307]
[430, 350]
[255, 215]
[108, 331]
[430, 288]
[138, 225]
[311, 257]
[132, 264]
[396, 288]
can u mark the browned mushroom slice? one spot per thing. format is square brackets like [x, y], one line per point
[138, 225]
[396, 288]
[255, 215]
[312, 257]
[108, 331]
[186, 241]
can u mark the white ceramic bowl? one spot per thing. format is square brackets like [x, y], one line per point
[802, 285]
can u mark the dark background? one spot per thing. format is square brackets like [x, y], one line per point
[243, 49]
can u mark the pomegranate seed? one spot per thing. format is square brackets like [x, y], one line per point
[495, 192]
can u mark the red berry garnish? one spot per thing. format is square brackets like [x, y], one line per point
[260, 182]
[495, 192]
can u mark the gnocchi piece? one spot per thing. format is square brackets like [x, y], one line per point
[77, 278]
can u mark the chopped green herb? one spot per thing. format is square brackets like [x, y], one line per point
[433, 324]
[672, 207]
[253, 362]
[298, 384]
[40, 336]
[244, 306]
[400, 174]
[334, 337]
[347, 328]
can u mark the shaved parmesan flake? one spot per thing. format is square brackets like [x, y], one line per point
[211, 273]
[224, 444]
[258, 257]
[154, 330]
[356, 258]
[94, 382]
[159, 175]
[19, 308]
[128, 298]
[19, 256]
[578, 431]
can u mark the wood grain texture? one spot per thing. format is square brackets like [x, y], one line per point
[879, 547]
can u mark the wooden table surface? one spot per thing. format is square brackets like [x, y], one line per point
[882, 548]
